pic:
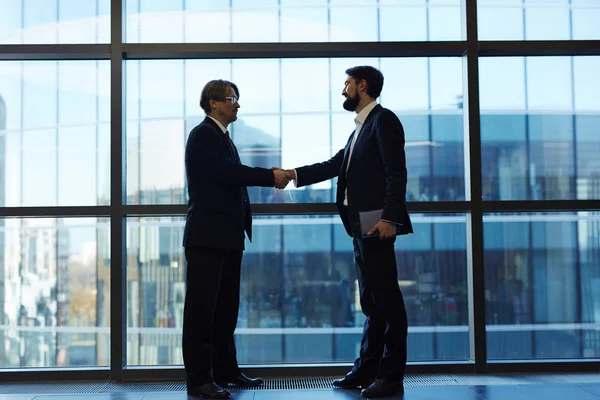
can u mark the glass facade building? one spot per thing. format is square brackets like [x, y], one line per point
[500, 104]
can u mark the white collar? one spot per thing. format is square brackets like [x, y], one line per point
[362, 116]
[220, 125]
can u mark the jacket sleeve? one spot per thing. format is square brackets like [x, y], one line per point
[319, 172]
[208, 156]
[390, 141]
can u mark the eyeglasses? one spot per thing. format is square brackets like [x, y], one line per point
[231, 99]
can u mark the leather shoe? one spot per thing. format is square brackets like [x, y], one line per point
[208, 390]
[242, 381]
[351, 381]
[382, 388]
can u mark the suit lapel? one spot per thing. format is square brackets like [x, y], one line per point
[227, 142]
[347, 150]
[366, 127]
[231, 146]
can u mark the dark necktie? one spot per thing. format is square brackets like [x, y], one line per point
[236, 156]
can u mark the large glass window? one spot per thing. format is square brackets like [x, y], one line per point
[538, 19]
[542, 285]
[299, 299]
[54, 21]
[540, 127]
[54, 292]
[281, 123]
[55, 133]
[540, 140]
[154, 21]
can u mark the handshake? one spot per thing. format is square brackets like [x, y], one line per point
[283, 176]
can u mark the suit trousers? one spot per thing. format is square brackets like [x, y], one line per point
[383, 345]
[212, 301]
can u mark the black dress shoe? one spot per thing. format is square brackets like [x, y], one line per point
[242, 381]
[351, 381]
[382, 388]
[208, 390]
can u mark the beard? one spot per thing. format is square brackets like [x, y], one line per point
[351, 103]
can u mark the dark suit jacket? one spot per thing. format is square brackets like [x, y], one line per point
[218, 206]
[376, 178]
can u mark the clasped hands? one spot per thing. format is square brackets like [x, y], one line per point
[283, 176]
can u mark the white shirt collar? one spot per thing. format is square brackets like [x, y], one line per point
[362, 116]
[220, 125]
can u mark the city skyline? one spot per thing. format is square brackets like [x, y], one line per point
[539, 119]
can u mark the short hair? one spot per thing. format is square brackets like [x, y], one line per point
[371, 75]
[216, 90]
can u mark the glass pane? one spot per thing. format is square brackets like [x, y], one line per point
[287, 124]
[54, 292]
[54, 21]
[542, 285]
[55, 133]
[235, 21]
[539, 127]
[585, 17]
[299, 300]
[538, 19]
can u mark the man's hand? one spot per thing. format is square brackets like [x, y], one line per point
[386, 230]
[290, 173]
[281, 179]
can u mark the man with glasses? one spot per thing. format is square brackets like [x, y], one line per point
[218, 214]
[371, 191]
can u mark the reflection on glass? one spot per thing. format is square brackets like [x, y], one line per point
[539, 128]
[542, 285]
[538, 19]
[54, 133]
[154, 21]
[299, 300]
[54, 21]
[284, 123]
[54, 292]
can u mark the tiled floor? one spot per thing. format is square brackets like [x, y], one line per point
[526, 389]
[531, 392]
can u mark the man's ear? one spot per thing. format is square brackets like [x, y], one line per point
[362, 85]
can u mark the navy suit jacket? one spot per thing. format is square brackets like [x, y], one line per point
[218, 206]
[376, 177]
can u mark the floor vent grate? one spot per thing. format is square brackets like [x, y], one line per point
[53, 387]
[414, 380]
[430, 380]
[145, 387]
[294, 384]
